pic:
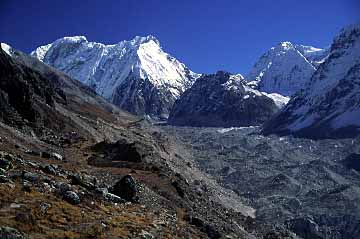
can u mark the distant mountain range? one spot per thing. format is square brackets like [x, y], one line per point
[138, 76]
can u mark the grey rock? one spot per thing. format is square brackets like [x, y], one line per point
[32, 152]
[71, 197]
[85, 181]
[44, 207]
[57, 156]
[31, 177]
[4, 179]
[62, 187]
[48, 169]
[6, 160]
[113, 198]
[127, 189]
[11, 233]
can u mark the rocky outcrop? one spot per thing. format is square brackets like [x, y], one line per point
[36, 94]
[222, 100]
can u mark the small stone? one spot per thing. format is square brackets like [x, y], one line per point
[31, 177]
[15, 205]
[113, 198]
[63, 187]
[146, 235]
[32, 152]
[4, 179]
[45, 155]
[101, 191]
[2, 171]
[11, 233]
[48, 169]
[44, 207]
[83, 180]
[57, 156]
[71, 197]
[6, 160]
[26, 187]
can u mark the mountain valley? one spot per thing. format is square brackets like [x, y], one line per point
[125, 141]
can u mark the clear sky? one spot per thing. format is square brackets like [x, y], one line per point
[206, 35]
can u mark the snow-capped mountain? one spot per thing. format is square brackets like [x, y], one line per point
[330, 104]
[285, 68]
[314, 55]
[223, 100]
[6, 48]
[136, 75]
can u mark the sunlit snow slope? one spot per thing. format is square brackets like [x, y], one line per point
[137, 75]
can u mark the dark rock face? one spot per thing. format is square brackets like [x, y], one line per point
[220, 100]
[330, 105]
[127, 189]
[352, 161]
[122, 152]
[141, 97]
[35, 91]
[304, 227]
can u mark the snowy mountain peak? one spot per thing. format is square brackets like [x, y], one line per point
[141, 40]
[107, 68]
[286, 45]
[5, 47]
[329, 104]
[73, 39]
[285, 68]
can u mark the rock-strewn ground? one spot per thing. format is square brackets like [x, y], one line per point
[310, 187]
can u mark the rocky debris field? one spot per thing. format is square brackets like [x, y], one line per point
[44, 197]
[309, 187]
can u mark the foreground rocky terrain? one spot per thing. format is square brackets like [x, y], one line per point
[309, 187]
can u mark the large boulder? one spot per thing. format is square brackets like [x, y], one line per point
[127, 189]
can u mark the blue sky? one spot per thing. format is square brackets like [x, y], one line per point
[207, 35]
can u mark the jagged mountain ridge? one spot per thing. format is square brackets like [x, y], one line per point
[136, 75]
[285, 68]
[222, 100]
[329, 106]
